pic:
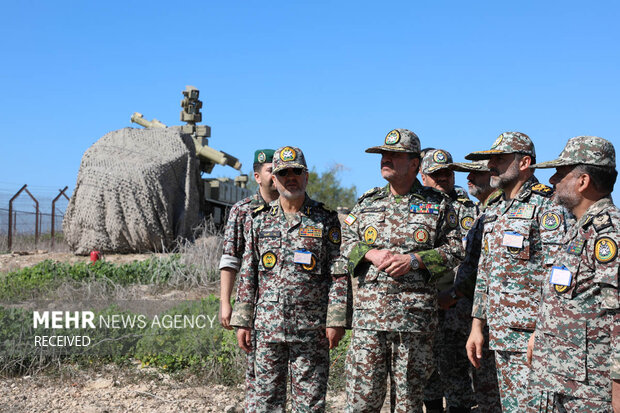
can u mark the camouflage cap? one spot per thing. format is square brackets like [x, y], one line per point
[589, 150]
[288, 157]
[263, 155]
[475, 166]
[398, 140]
[435, 160]
[507, 142]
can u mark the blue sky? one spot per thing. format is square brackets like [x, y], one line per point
[329, 77]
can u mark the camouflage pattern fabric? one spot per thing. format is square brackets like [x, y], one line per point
[234, 234]
[507, 142]
[486, 388]
[423, 221]
[577, 347]
[372, 355]
[562, 403]
[290, 289]
[451, 378]
[520, 237]
[309, 368]
[584, 150]
[234, 246]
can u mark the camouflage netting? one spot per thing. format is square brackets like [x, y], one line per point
[137, 191]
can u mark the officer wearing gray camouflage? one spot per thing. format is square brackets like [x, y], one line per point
[577, 341]
[451, 378]
[520, 235]
[397, 241]
[291, 292]
[234, 246]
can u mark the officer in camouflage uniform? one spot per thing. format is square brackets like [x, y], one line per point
[520, 235]
[484, 379]
[577, 339]
[451, 377]
[290, 293]
[398, 240]
[234, 245]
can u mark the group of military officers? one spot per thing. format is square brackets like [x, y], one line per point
[510, 303]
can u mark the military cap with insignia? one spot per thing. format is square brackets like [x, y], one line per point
[263, 155]
[398, 140]
[288, 157]
[475, 166]
[584, 150]
[435, 160]
[507, 142]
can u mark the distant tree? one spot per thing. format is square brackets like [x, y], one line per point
[326, 188]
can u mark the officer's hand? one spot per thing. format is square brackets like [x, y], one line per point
[474, 347]
[445, 299]
[530, 348]
[615, 396]
[378, 257]
[225, 314]
[396, 265]
[334, 334]
[244, 339]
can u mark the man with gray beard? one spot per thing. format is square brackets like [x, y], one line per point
[520, 233]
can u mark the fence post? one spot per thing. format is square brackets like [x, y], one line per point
[62, 192]
[36, 225]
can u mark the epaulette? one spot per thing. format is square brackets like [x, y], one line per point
[258, 210]
[601, 221]
[245, 201]
[369, 193]
[542, 189]
[463, 200]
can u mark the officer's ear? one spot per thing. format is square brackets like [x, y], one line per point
[525, 162]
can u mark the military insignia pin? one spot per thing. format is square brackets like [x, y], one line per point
[605, 250]
[467, 223]
[440, 157]
[392, 138]
[311, 232]
[451, 217]
[262, 157]
[311, 266]
[288, 154]
[575, 247]
[499, 140]
[420, 235]
[334, 235]
[560, 289]
[551, 221]
[269, 259]
[370, 235]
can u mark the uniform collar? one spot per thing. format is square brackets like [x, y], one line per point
[595, 209]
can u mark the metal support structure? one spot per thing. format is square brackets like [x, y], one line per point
[62, 193]
[36, 223]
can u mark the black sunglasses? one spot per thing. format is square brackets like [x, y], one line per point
[284, 172]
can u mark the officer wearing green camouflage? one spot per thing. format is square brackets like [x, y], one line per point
[484, 378]
[576, 346]
[521, 233]
[291, 293]
[451, 377]
[397, 241]
[234, 245]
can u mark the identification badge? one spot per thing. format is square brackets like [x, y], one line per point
[560, 276]
[302, 257]
[512, 239]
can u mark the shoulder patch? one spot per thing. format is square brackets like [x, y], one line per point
[601, 221]
[350, 219]
[542, 189]
[334, 235]
[605, 250]
[467, 222]
[451, 218]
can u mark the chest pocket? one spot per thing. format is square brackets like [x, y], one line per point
[521, 227]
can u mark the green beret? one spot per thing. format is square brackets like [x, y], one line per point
[263, 155]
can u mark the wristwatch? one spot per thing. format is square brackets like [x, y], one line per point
[415, 264]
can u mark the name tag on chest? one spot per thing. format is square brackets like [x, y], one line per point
[560, 276]
[302, 257]
[512, 239]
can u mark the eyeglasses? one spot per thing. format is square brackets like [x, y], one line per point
[284, 172]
